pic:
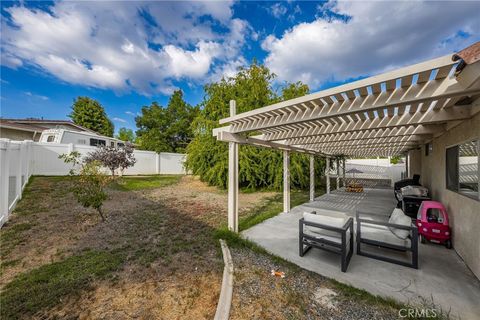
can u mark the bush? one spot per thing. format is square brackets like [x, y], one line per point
[113, 158]
[89, 186]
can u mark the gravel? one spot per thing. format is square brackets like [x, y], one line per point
[259, 295]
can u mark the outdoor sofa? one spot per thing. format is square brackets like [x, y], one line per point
[327, 230]
[398, 233]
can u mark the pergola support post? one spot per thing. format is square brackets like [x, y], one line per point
[312, 178]
[338, 174]
[286, 181]
[233, 179]
[327, 174]
[343, 173]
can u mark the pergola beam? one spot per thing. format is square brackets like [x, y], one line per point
[407, 119]
[316, 99]
[425, 94]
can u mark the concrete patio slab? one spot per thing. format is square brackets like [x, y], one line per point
[442, 275]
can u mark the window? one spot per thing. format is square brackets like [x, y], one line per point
[462, 168]
[82, 141]
[112, 144]
[51, 139]
[97, 142]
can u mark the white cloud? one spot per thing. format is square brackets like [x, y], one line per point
[133, 114]
[36, 96]
[119, 120]
[278, 10]
[141, 46]
[378, 36]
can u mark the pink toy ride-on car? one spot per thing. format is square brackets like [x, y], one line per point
[432, 223]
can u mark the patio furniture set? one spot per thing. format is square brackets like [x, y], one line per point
[334, 231]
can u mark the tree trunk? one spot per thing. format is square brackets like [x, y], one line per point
[101, 213]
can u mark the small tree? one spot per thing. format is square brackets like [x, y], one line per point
[90, 191]
[113, 158]
[89, 186]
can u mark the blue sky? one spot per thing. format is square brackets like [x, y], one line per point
[128, 54]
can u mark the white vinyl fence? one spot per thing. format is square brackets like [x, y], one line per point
[21, 159]
[375, 169]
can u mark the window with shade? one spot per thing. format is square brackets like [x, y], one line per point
[462, 171]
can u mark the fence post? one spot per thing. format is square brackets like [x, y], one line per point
[28, 160]
[18, 174]
[71, 147]
[157, 163]
[4, 177]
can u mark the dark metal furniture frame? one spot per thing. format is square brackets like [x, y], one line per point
[413, 247]
[345, 250]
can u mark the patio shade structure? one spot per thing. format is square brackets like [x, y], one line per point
[383, 115]
[353, 171]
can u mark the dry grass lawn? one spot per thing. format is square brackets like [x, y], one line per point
[156, 257]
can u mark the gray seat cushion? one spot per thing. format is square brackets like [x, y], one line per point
[383, 234]
[398, 217]
[332, 219]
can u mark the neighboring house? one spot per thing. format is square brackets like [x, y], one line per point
[31, 129]
[79, 138]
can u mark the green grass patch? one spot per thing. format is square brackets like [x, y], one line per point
[11, 236]
[141, 183]
[49, 284]
[270, 208]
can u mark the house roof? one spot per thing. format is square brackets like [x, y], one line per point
[470, 54]
[382, 115]
[19, 126]
[37, 123]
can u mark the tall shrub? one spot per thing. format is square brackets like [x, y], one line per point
[251, 88]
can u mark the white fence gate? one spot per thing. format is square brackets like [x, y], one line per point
[21, 159]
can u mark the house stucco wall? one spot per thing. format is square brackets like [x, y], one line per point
[415, 162]
[464, 212]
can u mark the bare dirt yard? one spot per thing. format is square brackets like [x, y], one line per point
[156, 256]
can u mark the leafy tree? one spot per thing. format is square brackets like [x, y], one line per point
[166, 129]
[125, 134]
[90, 114]
[113, 158]
[251, 88]
[89, 182]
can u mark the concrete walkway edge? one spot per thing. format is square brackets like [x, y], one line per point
[225, 299]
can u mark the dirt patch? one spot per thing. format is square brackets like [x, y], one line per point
[197, 198]
[193, 296]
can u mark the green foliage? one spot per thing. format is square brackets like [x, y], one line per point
[90, 114]
[166, 129]
[125, 134]
[89, 186]
[251, 88]
[50, 284]
[395, 159]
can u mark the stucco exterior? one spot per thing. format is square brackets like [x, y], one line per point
[464, 212]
